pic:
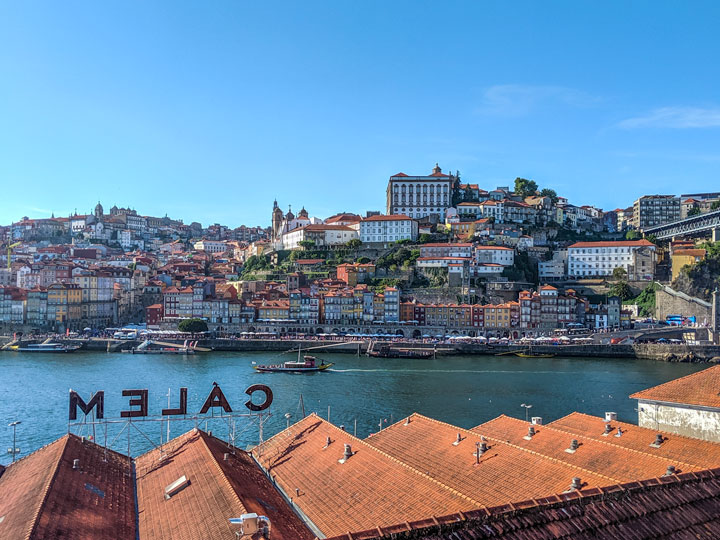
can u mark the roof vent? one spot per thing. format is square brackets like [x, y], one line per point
[576, 484]
[574, 445]
[347, 454]
[407, 421]
[611, 417]
[327, 442]
[458, 439]
[670, 470]
[619, 432]
[82, 439]
[480, 449]
[210, 433]
[342, 426]
[608, 430]
[659, 439]
[76, 463]
[531, 433]
[537, 420]
[176, 487]
[226, 456]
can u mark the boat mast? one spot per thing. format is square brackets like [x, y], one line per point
[302, 405]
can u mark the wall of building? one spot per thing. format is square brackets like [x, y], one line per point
[671, 302]
[698, 422]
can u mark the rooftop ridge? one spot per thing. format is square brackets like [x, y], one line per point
[605, 442]
[46, 490]
[203, 437]
[673, 381]
[533, 452]
[391, 458]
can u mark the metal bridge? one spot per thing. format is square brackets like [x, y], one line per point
[695, 225]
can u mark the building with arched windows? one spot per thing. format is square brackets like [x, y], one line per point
[420, 196]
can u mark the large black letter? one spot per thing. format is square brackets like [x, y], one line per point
[98, 400]
[183, 405]
[216, 399]
[259, 388]
[141, 401]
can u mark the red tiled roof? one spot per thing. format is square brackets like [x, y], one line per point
[218, 490]
[506, 472]
[371, 488]
[447, 245]
[596, 455]
[391, 217]
[619, 243]
[699, 388]
[690, 252]
[42, 496]
[678, 506]
[697, 452]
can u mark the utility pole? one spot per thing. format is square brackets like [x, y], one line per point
[14, 450]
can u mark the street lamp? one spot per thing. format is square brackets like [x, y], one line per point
[14, 450]
[527, 408]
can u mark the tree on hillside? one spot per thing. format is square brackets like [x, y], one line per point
[355, 243]
[192, 325]
[619, 274]
[525, 187]
[695, 211]
[306, 244]
[621, 289]
[632, 235]
[547, 192]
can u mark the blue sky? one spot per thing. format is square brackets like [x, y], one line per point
[207, 111]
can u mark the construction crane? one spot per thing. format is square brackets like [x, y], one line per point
[10, 247]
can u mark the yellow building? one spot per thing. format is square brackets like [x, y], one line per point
[682, 257]
[64, 304]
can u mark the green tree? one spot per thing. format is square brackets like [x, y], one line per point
[651, 238]
[307, 244]
[192, 325]
[619, 274]
[621, 289]
[694, 211]
[424, 238]
[632, 235]
[355, 243]
[547, 192]
[525, 187]
[715, 205]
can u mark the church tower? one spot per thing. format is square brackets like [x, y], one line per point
[277, 218]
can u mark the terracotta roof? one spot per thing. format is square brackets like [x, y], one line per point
[42, 496]
[218, 490]
[506, 473]
[619, 243]
[690, 252]
[447, 245]
[371, 488]
[593, 454]
[678, 506]
[496, 248]
[699, 388]
[698, 452]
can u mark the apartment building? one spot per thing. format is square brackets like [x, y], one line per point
[652, 210]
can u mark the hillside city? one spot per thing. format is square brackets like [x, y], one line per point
[445, 257]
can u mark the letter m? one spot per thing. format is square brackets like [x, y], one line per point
[98, 400]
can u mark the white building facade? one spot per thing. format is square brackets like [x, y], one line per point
[386, 229]
[420, 196]
[601, 258]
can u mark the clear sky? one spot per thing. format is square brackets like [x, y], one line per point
[207, 111]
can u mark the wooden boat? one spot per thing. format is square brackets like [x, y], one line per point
[306, 364]
[165, 348]
[45, 348]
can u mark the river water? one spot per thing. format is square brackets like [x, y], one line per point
[362, 392]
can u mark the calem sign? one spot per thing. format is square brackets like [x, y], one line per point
[139, 399]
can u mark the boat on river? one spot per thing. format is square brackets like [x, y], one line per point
[45, 348]
[156, 347]
[534, 355]
[385, 351]
[304, 364]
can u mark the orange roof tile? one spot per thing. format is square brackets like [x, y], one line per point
[42, 496]
[596, 455]
[619, 243]
[218, 490]
[506, 473]
[371, 488]
[696, 452]
[699, 388]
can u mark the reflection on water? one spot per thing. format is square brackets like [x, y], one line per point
[369, 392]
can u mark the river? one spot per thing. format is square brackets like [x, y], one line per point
[462, 390]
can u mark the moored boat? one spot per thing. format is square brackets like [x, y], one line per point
[46, 348]
[306, 364]
[389, 352]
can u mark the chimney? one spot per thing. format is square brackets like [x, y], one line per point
[76, 463]
[611, 417]
[576, 484]
[483, 447]
[407, 421]
[537, 420]
[619, 432]
[670, 470]
[327, 442]
[531, 433]
[658, 441]
[608, 429]
[226, 456]
[457, 440]
[347, 454]
[342, 426]
[574, 445]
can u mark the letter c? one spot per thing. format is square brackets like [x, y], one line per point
[259, 388]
